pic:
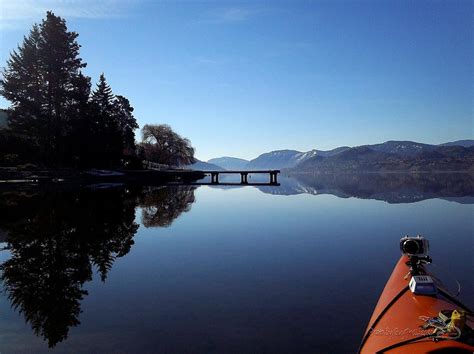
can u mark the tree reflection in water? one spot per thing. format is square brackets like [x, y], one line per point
[57, 238]
[162, 205]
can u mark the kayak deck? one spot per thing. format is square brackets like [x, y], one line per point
[396, 319]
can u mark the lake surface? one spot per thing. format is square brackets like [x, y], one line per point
[197, 269]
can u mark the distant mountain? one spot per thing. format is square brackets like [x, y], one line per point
[332, 152]
[204, 166]
[464, 143]
[229, 163]
[411, 148]
[394, 156]
[402, 148]
[281, 159]
[275, 160]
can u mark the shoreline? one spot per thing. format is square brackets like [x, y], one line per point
[12, 176]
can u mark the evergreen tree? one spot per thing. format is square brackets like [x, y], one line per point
[104, 127]
[102, 97]
[80, 128]
[59, 53]
[39, 80]
[126, 122]
[52, 108]
[22, 84]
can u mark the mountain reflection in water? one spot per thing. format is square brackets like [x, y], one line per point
[392, 188]
[57, 238]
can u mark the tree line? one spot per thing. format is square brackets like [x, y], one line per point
[56, 119]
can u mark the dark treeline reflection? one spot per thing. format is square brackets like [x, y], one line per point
[57, 238]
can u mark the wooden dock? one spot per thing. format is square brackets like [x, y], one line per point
[215, 173]
[243, 175]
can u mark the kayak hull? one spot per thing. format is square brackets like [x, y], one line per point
[396, 319]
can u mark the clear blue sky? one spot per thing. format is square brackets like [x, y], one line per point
[243, 78]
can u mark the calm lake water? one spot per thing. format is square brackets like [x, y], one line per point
[296, 268]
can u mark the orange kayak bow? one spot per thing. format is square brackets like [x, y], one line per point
[415, 314]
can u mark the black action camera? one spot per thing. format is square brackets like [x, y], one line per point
[414, 246]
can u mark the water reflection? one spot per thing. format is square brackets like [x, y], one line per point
[390, 187]
[57, 238]
[161, 205]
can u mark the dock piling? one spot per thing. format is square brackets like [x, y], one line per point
[215, 177]
[244, 178]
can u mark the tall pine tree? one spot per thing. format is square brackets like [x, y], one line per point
[59, 53]
[126, 122]
[52, 107]
[22, 85]
[39, 80]
[104, 128]
[79, 113]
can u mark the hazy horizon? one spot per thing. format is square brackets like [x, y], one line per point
[240, 79]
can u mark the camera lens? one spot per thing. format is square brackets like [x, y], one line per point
[411, 247]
